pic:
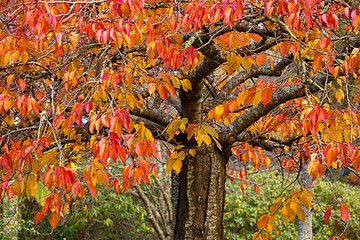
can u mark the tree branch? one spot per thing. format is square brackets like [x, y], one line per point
[228, 135]
[153, 115]
[244, 75]
[151, 216]
[266, 141]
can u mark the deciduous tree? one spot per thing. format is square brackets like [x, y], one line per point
[89, 86]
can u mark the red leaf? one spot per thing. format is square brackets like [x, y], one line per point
[105, 36]
[27, 151]
[347, 12]
[327, 215]
[324, 42]
[122, 154]
[58, 37]
[88, 107]
[344, 212]
[268, 8]
[323, 115]
[353, 18]
[58, 119]
[59, 51]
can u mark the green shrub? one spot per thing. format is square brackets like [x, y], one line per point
[243, 209]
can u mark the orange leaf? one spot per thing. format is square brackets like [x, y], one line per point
[39, 216]
[284, 48]
[91, 188]
[266, 95]
[344, 212]
[22, 84]
[263, 221]
[317, 63]
[164, 76]
[260, 59]
[54, 219]
[163, 92]
[171, 89]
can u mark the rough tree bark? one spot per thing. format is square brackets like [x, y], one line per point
[305, 228]
[201, 197]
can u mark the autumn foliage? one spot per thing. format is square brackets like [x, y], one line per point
[90, 86]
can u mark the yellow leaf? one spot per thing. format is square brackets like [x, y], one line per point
[241, 97]
[35, 167]
[263, 221]
[235, 61]
[175, 81]
[5, 59]
[269, 228]
[66, 208]
[18, 188]
[219, 111]
[267, 161]
[48, 158]
[257, 98]
[9, 120]
[293, 207]
[336, 72]
[16, 56]
[192, 152]
[148, 135]
[177, 165]
[169, 165]
[339, 95]
[24, 57]
[248, 62]
[130, 100]
[285, 214]
[31, 186]
[186, 84]
[301, 215]
[92, 140]
[207, 139]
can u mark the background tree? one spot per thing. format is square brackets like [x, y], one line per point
[89, 83]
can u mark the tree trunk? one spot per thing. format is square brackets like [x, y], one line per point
[305, 228]
[201, 198]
